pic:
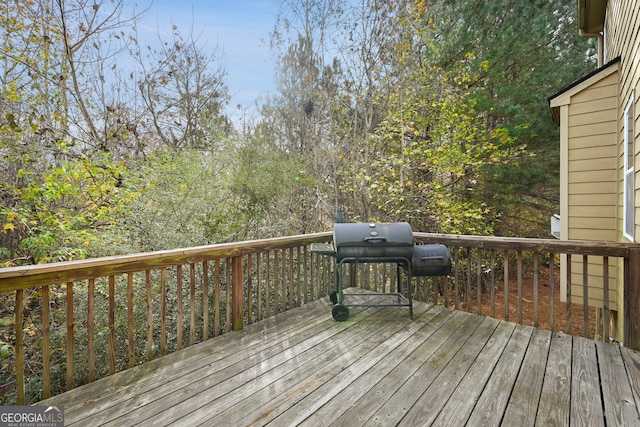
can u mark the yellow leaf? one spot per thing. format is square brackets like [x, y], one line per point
[8, 227]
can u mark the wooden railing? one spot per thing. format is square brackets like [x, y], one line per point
[487, 266]
[75, 322]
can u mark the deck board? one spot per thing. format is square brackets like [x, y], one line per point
[619, 404]
[555, 400]
[466, 395]
[523, 403]
[379, 367]
[586, 404]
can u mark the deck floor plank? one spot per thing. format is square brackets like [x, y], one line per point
[493, 401]
[555, 400]
[301, 367]
[359, 378]
[197, 394]
[338, 364]
[458, 408]
[134, 383]
[356, 413]
[436, 396]
[586, 402]
[222, 364]
[394, 409]
[619, 404]
[522, 408]
[632, 363]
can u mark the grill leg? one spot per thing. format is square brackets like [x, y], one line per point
[410, 294]
[339, 283]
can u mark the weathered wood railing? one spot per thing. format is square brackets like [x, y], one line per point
[476, 277]
[74, 322]
[78, 321]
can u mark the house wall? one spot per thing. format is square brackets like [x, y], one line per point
[591, 181]
[622, 38]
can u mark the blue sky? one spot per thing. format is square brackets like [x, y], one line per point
[239, 28]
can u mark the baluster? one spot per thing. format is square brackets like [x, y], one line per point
[112, 325]
[268, 284]
[277, 279]
[149, 315]
[237, 293]
[552, 285]
[519, 258]
[130, 328]
[19, 349]
[585, 297]
[260, 284]
[536, 284]
[506, 284]
[163, 311]
[569, 305]
[468, 280]
[292, 296]
[605, 288]
[479, 279]
[493, 282]
[249, 288]
[91, 330]
[192, 304]
[305, 278]
[179, 325]
[456, 272]
[205, 300]
[227, 266]
[216, 298]
[46, 348]
[69, 379]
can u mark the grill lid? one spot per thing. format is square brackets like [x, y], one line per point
[372, 234]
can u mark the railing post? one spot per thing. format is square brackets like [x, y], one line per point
[237, 280]
[632, 299]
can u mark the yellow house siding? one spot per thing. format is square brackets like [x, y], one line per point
[598, 212]
[591, 181]
[602, 104]
[622, 39]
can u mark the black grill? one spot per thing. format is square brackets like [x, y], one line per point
[382, 243]
[373, 240]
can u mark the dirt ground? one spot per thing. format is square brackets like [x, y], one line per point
[544, 320]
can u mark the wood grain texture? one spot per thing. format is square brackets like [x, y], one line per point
[379, 367]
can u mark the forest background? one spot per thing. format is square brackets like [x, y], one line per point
[434, 113]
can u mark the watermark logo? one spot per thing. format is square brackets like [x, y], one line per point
[31, 416]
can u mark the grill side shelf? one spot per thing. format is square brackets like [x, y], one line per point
[323, 249]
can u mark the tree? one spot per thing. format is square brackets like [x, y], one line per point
[183, 93]
[300, 115]
[476, 76]
[526, 51]
[73, 121]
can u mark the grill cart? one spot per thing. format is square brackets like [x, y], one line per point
[381, 243]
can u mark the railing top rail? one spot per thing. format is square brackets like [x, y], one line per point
[23, 277]
[581, 247]
[14, 278]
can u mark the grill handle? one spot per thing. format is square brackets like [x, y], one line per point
[376, 240]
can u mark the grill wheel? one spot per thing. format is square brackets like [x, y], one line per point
[340, 312]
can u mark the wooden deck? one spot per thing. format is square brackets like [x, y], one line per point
[377, 368]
